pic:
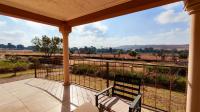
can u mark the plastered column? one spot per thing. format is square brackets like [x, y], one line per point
[193, 87]
[65, 30]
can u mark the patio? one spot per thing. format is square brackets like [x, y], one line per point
[78, 14]
[40, 95]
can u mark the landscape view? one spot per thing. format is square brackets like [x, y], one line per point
[153, 47]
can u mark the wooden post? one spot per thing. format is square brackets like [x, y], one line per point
[65, 30]
[193, 86]
[107, 74]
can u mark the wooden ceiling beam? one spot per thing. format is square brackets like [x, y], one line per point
[118, 10]
[18, 13]
[121, 9]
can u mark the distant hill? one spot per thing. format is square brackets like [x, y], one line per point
[167, 47]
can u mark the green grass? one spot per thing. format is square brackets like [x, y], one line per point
[9, 75]
[10, 65]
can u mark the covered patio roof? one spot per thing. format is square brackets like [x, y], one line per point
[74, 12]
[69, 13]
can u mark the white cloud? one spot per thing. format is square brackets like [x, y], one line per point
[97, 29]
[22, 32]
[12, 37]
[173, 5]
[94, 34]
[39, 26]
[174, 36]
[15, 19]
[79, 39]
[2, 23]
[98, 25]
[170, 16]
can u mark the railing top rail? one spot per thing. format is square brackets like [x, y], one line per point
[133, 63]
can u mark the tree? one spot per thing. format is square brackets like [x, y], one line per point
[11, 46]
[47, 45]
[119, 52]
[20, 47]
[132, 53]
[73, 50]
[156, 55]
[111, 50]
[162, 54]
[183, 55]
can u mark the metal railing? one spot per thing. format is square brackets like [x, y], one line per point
[163, 87]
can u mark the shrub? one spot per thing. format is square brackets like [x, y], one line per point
[179, 84]
[54, 61]
[167, 70]
[84, 69]
[162, 79]
[8, 66]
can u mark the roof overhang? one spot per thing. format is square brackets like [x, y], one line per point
[112, 10]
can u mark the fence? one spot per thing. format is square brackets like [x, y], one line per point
[163, 87]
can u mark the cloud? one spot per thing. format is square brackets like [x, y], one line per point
[101, 27]
[15, 19]
[174, 36]
[96, 26]
[79, 39]
[173, 5]
[12, 37]
[36, 25]
[19, 31]
[95, 34]
[94, 29]
[170, 15]
[2, 23]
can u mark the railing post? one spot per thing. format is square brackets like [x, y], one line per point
[107, 74]
[35, 70]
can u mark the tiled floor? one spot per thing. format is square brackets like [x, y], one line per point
[39, 95]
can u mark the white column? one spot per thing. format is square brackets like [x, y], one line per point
[65, 30]
[193, 87]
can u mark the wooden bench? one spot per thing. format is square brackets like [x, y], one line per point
[123, 96]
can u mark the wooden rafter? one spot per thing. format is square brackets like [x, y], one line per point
[118, 10]
[18, 13]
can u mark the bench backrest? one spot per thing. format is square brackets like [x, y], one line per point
[126, 87]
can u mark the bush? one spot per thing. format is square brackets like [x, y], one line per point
[162, 79]
[167, 70]
[179, 84]
[8, 66]
[85, 69]
[54, 61]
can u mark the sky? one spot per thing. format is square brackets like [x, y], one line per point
[167, 24]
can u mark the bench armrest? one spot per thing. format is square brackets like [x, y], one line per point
[136, 104]
[103, 91]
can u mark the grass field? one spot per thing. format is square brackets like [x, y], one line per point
[9, 75]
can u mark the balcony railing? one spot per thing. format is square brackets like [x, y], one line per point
[163, 87]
